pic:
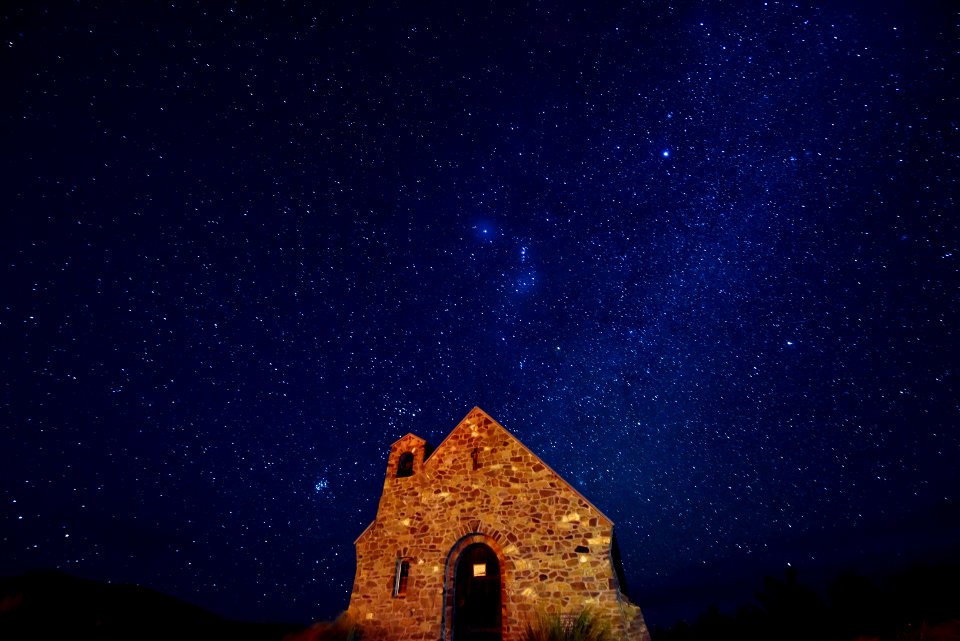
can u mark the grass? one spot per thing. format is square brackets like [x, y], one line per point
[343, 628]
[585, 626]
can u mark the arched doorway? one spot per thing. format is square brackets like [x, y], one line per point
[477, 608]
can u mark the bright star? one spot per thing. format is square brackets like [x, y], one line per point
[485, 231]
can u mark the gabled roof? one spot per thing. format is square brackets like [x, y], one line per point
[461, 425]
[406, 437]
[431, 457]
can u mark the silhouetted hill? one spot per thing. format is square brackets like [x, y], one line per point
[921, 604]
[54, 605]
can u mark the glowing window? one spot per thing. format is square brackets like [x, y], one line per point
[479, 569]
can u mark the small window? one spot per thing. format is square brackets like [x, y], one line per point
[475, 455]
[405, 465]
[401, 577]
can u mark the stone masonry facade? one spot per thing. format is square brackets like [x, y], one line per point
[481, 485]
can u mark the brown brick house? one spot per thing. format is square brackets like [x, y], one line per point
[472, 540]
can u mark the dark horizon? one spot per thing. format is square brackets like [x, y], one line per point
[700, 258]
[53, 593]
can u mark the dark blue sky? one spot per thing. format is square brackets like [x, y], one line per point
[701, 257]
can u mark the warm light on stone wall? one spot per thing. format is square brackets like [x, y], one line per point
[483, 485]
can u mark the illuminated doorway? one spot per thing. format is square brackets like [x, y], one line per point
[477, 609]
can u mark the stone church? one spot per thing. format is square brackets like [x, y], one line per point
[475, 538]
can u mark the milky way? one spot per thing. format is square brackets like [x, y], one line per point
[701, 257]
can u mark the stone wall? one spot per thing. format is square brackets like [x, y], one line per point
[483, 485]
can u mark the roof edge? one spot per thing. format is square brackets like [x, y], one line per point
[477, 408]
[419, 438]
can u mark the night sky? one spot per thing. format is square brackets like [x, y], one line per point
[701, 257]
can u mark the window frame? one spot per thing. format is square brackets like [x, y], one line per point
[406, 463]
[401, 577]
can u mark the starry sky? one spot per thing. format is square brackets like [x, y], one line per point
[701, 257]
